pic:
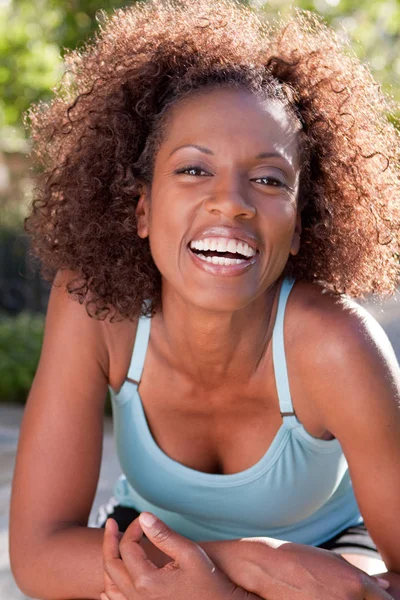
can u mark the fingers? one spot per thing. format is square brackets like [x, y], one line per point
[126, 564]
[133, 555]
[112, 596]
[117, 583]
[374, 592]
[383, 583]
[111, 540]
[111, 591]
[171, 543]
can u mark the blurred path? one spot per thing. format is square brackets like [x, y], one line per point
[10, 418]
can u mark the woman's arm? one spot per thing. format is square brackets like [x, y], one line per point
[359, 391]
[53, 553]
[256, 566]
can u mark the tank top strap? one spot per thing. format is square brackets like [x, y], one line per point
[139, 350]
[278, 353]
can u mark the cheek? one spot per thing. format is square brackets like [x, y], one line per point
[167, 229]
[279, 218]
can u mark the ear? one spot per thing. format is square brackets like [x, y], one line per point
[295, 246]
[143, 212]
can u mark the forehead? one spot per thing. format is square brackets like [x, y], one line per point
[234, 120]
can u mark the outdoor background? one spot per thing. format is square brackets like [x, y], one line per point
[34, 35]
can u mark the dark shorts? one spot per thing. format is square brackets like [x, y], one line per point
[353, 540]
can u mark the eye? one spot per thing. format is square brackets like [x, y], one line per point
[191, 170]
[270, 181]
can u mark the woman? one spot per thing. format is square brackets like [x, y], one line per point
[214, 194]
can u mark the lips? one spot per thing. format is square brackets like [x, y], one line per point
[223, 251]
[225, 265]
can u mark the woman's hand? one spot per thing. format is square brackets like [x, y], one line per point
[130, 575]
[302, 572]
[249, 560]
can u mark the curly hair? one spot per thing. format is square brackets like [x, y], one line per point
[96, 141]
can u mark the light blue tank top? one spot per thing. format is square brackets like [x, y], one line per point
[299, 491]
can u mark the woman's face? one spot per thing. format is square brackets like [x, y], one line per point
[221, 214]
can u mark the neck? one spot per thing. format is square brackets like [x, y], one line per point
[213, 348]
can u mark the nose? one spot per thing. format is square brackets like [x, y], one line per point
[228, 199]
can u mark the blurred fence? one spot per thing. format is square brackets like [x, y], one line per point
[21, 288]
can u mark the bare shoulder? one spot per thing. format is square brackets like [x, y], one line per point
[66, 319]
[325, 321]
[345, 357]
[110, 343]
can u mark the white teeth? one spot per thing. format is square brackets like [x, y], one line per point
[220, 260]
[223, 245]
[231, 246]
[248, 251]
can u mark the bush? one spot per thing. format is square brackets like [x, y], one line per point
[20, 343]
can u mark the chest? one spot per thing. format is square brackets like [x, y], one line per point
[223, 429]
[226, 431]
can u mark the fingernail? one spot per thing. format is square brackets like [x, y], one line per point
[383, 582]
[147, 519]
[108, 526]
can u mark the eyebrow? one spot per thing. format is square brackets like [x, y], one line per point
[208, 151]
[201, 148]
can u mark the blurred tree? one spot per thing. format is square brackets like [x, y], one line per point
[33, 36]
[372, 27]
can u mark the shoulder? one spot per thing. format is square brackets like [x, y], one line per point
[344, 355]
[335, 323]
[333, 327]
[110, 343]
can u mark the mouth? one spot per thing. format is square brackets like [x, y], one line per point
[223, 255]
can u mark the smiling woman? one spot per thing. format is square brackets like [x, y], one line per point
[214, 191]
[99, 138]
[222, 194]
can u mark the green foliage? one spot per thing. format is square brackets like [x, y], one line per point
[20, 344]
[372, 28]
[34, 35]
